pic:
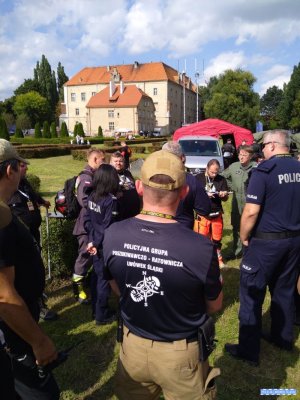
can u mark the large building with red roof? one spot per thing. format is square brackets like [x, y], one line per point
[135, 97]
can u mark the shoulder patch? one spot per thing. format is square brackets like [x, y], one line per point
[266, 166]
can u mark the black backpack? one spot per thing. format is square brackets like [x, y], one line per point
[66, 201]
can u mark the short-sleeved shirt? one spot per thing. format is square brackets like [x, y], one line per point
[218, 184]
[164, 272]
[275, 186]
[196, 200]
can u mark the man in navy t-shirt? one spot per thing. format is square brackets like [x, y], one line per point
[270, 233]
[196, 200]
[168, 279]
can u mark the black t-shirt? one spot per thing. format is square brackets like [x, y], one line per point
[19, 249]
[218, 184]
[165, 272]
[196, 200]
[128, 198]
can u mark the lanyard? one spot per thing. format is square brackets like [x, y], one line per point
[156, 214]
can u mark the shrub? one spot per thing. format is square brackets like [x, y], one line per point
[75, 130]
[79, 130]
[19, 133]
[62, 246]
[53, 131]
[46, 130]
[37, 130]
[3, 130]
[79, 155]
[34, 181]
[100, 132]
[64, 130]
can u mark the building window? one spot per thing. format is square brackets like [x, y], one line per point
[73, 96]
[155, 91]
[111, 126]
[111, 114]
[93, 94]
[82, 96]
[76, 111]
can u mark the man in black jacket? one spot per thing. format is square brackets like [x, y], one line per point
[128, 198]
[22, 279]
[25, 204]
[95, 158]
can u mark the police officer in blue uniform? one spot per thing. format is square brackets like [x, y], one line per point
[270, 233]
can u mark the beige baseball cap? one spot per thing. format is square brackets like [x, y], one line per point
[163, 163]
[8, 152]
[5, 215]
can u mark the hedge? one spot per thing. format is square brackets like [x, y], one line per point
[62, 246]
[34, 181]
[54, 140]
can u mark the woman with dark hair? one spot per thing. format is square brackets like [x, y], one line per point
[101, 213]
[211, 225]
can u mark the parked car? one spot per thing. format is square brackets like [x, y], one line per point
[199, 150]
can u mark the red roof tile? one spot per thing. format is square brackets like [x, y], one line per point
[131, 97]
[156, 71]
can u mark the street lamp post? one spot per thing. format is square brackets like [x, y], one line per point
[183, 80]
[197, 96]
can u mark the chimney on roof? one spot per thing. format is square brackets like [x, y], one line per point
[122, 87]
[112, 88]
[108, 68]
[136, 64]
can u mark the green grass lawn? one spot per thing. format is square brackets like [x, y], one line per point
[89, 371]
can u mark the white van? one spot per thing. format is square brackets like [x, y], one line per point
[199, 150]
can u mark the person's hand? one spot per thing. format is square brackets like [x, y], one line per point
[91, 249]
[44, 351]
[223, 194]
[211, 194]
[245, 243]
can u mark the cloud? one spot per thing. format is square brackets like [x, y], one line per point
[227, 34]
[277, 75]
[225, 61]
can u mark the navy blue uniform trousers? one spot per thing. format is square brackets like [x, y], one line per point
[273, 264]
[100, 290]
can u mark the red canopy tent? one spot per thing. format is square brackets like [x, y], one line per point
[215, 128]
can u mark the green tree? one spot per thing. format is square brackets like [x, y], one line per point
[80, 130]
[9, 118]
[3, 130]
[29, 85]
[46, 81]
[53, 130]
[19, 133]
[269, 103]
[33, 105]
[295, 120]
[100, 131]
[62, 78]
[290, 91]
[23, 121]
[231, 97]
[6, 106]
[37, 130]
[64, 130]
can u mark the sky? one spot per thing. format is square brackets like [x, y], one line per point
[208, 36]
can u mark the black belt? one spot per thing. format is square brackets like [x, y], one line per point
[276, 235]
